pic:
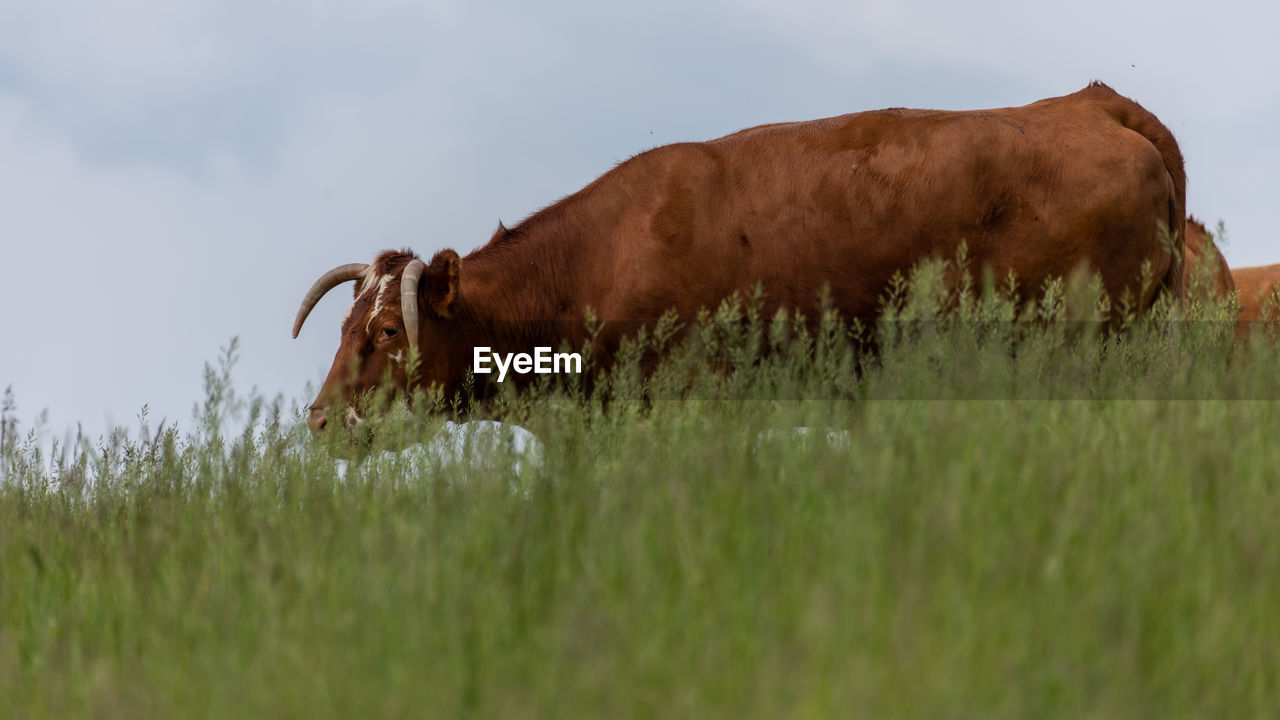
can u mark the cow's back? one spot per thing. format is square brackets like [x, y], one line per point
[1257, 286]
[1033, 190]
[846, 202]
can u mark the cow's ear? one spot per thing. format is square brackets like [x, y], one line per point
[440, 282]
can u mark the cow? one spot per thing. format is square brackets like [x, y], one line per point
[842, 204]
[1203, 256]
[1259, 289]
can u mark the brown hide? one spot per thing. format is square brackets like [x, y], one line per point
[1259, 288]
[1203, 256]
[845, 202]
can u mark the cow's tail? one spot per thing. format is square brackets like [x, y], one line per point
[1136, 118]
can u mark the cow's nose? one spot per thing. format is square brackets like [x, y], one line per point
[317, 420]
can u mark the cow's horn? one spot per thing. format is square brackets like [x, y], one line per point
[327, 282]
[409, 299]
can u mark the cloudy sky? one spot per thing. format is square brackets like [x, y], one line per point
[176, 174]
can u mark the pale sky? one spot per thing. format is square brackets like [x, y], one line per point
[175, 174]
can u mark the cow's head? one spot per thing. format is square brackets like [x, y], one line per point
[399, 303]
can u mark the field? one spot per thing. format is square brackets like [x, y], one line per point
[1001, 513]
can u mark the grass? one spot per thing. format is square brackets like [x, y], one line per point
[1027, 517]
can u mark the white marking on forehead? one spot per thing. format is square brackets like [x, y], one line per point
[398, 358]
[381, 294]
[379, 300]
[368, 279]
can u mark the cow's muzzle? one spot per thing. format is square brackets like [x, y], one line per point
[318, 420]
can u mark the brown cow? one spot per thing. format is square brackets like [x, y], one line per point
[846, 202]
[1203, 256]
[1259, 289]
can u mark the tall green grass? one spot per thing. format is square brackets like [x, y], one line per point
[1053, 510]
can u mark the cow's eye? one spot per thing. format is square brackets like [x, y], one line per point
[388, 333]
